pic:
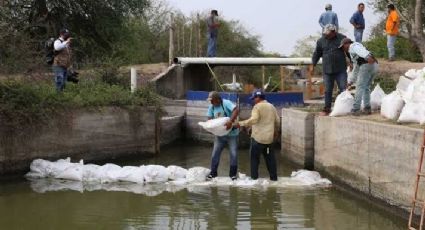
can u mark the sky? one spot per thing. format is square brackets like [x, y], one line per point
[280, 23]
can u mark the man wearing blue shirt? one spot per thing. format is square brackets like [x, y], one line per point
[328, 17]
[357, 20]
[224, 108]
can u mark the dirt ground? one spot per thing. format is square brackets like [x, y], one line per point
[396, 69]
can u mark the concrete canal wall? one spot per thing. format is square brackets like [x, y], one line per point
[378, 159]
[102, 134]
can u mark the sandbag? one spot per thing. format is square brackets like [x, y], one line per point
[155, 173]
[391, 106]
[197, 174]
[216, 126]
[176, 172]
[73, 172]
[110, 173]
[92, 173]
[38, 169]
[343, 104]
[132, 174]
[414, 73]
[403, 84]
[376, 97]
[412, 112]
[418, 93]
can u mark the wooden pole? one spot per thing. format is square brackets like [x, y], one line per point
[190, 38]
[263, 76]
[178, 36]
[199, 51]
[171, 44]
[183, 46]
[282, 79]
[309, 82]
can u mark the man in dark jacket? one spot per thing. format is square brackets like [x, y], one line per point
[333, 61]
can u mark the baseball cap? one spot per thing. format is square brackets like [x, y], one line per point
[328, 28]
[212, 95]
[257, 93]
[328, 6]
[344, 41]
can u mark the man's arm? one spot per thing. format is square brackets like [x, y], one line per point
[318, 52]
[255, 115]
[336, 22]
[235, 114]
[58, 45]
[321, 21]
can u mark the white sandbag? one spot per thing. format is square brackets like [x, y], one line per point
[391, 106]
[155, 173]
[38, 169]
[309, 178]
[376, 97]
[132, 174]
[197, 174]
[403, 84]
[92, 173]
[418, 94]
[216, 126]
[176, 172]
[110, 173]
[414, 73]
[412, 112]
[343, 104]
[73, 172]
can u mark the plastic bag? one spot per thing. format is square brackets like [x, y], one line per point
[197, 174]
[156, 173]
[72, 172]
[110, 173]
[376, 97]
[343, 104]
[176, 172]
[132, 174]
[391, 106]
[216, 126]
[412, 112]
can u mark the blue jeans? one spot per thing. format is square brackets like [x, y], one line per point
[364, 75]
[256, 150]
[212, 45]
[60, 77]
[358, 35]
[328, 80]
[391, 45]
[219, 144]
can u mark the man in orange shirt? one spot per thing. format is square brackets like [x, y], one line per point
[391, 28]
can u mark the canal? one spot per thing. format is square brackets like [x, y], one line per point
[34, 205]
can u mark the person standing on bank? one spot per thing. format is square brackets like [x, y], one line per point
[328, 17]
[212, 24]
[391, 29]
[62, 59]
[333, 62]
[265, 125]
[224, 108]
[365, 68]
[358, 22]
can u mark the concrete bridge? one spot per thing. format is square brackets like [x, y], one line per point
[194, 74]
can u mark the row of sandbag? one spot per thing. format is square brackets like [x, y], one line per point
[108, 173]
[407, 102]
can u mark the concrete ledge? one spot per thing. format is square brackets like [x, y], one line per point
[82, 134]
[298, 137]
[374, 158]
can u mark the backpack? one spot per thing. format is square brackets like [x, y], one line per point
[50, 50]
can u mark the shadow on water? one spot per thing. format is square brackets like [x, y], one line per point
[191, 208]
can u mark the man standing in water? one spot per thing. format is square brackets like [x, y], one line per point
[224, 108]
[212, 24]
[265, 125]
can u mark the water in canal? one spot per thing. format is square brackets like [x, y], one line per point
[23, 206]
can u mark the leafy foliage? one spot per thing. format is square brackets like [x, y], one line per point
[404, 48]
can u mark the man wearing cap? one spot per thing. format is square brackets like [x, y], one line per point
[391, 28]
[62, 60]
[265, 125]
[224, 108]
[212, 28]
[333, 62]
[365, 68]
[328, 17]
[358, 22]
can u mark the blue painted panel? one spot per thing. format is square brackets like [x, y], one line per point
[203, 95]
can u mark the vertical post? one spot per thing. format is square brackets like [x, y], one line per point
[171, 45]
[199, 36]
[177, 27]
[190, 38]
[282, 79]
[183, 46]
[309, 83]
[133, 81]
[263, 76]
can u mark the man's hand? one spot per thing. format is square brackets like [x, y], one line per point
[229, 125]
[370, 60]
[311, 69]
[237, 125]
[350, 66]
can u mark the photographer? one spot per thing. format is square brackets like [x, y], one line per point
[62, 59]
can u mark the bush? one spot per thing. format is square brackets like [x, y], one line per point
[404, 49]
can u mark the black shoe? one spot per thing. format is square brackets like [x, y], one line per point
[356, 113]
[210, 177]
[367, 111]
[233, 178]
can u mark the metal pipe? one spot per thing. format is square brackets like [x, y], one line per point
[240, 61]
[133, 81]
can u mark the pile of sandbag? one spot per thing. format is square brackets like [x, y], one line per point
[109, 173]
[407, 102]
[216, 126]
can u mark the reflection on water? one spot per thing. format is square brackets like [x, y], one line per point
[22, 206]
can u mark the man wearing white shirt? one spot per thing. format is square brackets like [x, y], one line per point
[62, 59]
[365, 68]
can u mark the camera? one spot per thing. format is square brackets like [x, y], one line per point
[73, 76]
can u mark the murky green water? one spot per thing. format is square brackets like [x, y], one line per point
[201, 208]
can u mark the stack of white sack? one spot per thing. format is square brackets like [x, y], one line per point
[343, 104]
[376, 97]
[406, 103]
[110, 173]
[216, 126]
